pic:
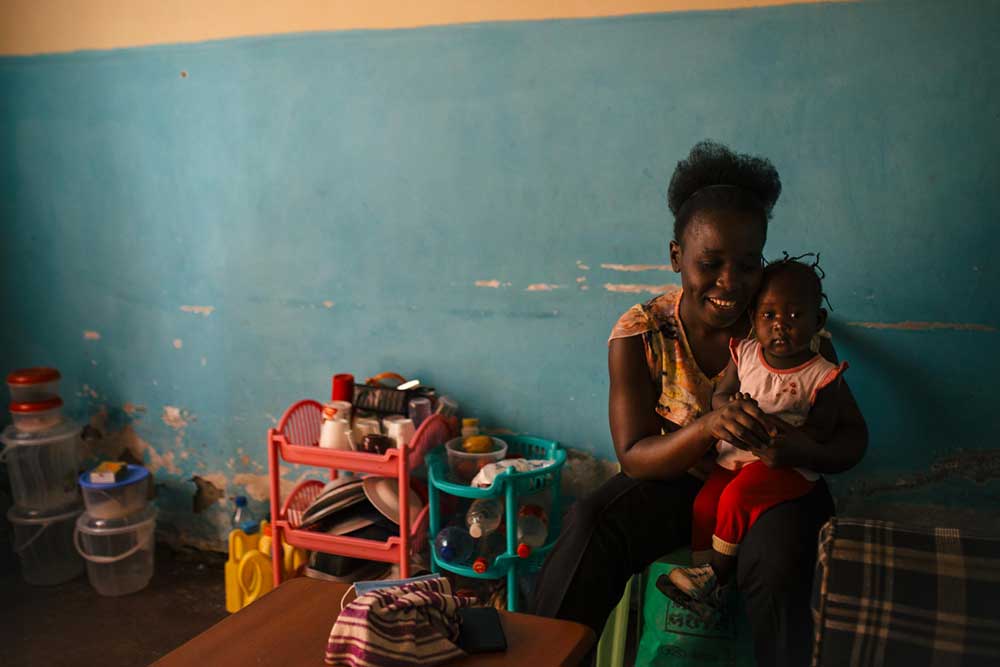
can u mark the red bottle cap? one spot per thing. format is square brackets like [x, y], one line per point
[479, 566]
[343, 388]
[523, 550]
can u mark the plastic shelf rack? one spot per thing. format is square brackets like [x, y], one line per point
[295, 440]
[511, 486]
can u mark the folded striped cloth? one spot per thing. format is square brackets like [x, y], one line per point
[413, 624]
[886, 594]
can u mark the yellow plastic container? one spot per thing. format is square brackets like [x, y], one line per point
[248, 570]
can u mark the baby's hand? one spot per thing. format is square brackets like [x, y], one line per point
[740, 396]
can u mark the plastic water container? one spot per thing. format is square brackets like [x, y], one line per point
[464, 465]
[38, 416]
[28, 385]
[117, 500]
[119, 552]
[44, 543]
[43, 467]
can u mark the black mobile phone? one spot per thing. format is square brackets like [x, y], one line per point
[481, 631]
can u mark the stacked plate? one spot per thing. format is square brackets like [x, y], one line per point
[366, 508]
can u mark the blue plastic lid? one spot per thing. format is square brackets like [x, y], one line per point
[133, 474]
[241, 501]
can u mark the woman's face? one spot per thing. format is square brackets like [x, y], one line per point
[719, 259]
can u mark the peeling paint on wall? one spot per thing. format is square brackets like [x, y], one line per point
[174, 417]
[258, 487]
[491, 283]
[580, 265]
[132, 410]
[209, 489]
[638, 289]
[178, 343]
[328, 304]
[975, 465]
[116, 444]
[923, 326]
[636, 267]
[543, 287]
[199, 310]
[91, 335]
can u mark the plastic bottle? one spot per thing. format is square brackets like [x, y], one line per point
[446, 406]
[483, 517]
[243, 518]
[470, 426]
[532, 529]
[487, 549]
[453, 545]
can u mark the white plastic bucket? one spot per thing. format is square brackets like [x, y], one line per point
[44, 544]
[43, 467]
[119, 552]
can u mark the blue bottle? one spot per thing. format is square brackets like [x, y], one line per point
[453, 545]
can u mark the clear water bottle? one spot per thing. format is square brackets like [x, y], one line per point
[483, 517]
[532, 529]
[243, 518]
[453, 545]
[487, 549]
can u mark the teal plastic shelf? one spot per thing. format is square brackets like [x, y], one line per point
[511, 486]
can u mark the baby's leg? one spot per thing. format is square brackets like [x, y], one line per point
[755, 490]
[703, 513]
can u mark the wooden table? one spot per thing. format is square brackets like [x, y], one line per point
[289, 627]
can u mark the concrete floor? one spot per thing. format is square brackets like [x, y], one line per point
[71, 625]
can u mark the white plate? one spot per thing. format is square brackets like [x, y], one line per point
[383, 492]
[319, 511]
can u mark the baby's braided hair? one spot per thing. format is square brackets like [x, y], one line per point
[809, 270]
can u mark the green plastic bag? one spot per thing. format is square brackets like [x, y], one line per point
[674, 637]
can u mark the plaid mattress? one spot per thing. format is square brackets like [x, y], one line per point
[886, 594]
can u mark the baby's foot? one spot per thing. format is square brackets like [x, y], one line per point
[696, 589]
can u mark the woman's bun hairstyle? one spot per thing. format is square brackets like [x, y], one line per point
[713, 177]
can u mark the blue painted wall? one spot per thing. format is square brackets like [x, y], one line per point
[388, 172]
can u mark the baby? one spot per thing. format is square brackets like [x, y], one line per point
[780, 370]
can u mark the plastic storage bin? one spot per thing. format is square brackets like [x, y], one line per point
[119, 552]
[38, 416]
[43, 467]
[44, 543]
[28, 385]
[117, 500]
[463, 465]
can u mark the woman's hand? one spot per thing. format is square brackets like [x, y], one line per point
[740, 422]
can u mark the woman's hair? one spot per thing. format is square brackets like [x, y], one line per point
[712, 177]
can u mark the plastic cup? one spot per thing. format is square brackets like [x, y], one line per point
[400, 429]
[419, 409]
[343, 387]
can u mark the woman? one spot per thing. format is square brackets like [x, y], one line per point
[664, 359]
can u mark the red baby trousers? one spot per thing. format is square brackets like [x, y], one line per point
[731, 500]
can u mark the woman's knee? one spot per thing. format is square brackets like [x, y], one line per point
[779, 551]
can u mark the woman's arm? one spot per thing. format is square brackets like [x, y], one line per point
[728, 386]
[645, 453]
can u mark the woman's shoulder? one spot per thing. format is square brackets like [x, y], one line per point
[657, 314]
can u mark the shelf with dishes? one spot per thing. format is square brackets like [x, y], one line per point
[384, 477]
[296, 522]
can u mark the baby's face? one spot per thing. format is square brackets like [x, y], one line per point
[786, 317]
